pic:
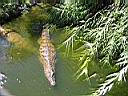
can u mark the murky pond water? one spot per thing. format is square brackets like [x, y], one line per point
[26, 77]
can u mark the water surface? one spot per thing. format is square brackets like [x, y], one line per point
[26, 77]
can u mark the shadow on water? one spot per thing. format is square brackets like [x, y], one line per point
[26, 76]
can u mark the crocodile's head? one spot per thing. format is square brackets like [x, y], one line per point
[50, 74]
[45, 33]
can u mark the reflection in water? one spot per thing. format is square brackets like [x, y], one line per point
[4, 45]
[4, 92]
[4, 42]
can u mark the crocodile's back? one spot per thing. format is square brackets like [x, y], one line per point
[47, 51]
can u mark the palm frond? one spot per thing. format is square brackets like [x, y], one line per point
[106, 34]
[69, 42]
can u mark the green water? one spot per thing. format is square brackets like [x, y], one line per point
[26, 77]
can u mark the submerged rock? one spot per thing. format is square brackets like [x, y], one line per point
[18, 40]
[15, 38]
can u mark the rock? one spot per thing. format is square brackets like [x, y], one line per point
[3, 80]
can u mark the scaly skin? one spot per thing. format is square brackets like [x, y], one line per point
[48, 57]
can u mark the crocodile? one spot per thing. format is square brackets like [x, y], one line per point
[48, 56]
[46, 50]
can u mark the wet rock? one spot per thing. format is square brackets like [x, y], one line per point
[3, 80]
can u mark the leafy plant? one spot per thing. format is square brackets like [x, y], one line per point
[105, 36]
[68, 14]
